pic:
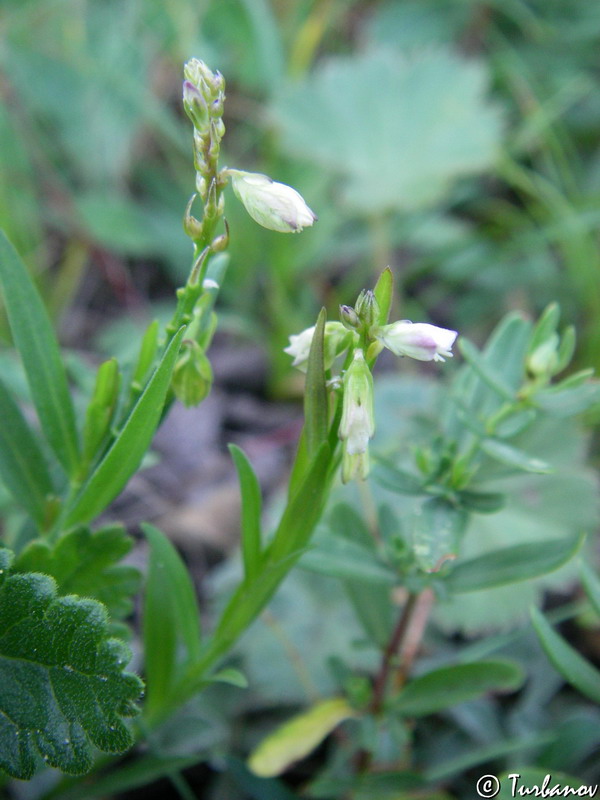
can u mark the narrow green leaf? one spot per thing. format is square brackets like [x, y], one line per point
[231, 676]
[397, 480]
[128, 449]
[566, 349]
[35, 340]
[251, 511]
[591, 583]
[482, 502]
[521, 562]
[341, 558]
[315, 392]
[298, 737]
[448, 686]
[54, 657]
[383, 291]
[437, 529]
[22, 464]
[171, 619]
[572, 666]
[483, 369]
[545, 327]
[87, 563]
[513, 457]
[570, 401]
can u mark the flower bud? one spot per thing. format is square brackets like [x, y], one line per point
[336, 340]
[357, 425]
[273, 205]
[544, 358]
[349, 318]
[192, 376]
[367, 308]
[418, 340]
[195, 105]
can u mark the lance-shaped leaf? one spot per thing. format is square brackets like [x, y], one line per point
[571, 665]
[128, 449]
[86, 563]
[437, 530]
[62, 684]
[449, 686]
[298, 737]
[251, 509]
[22, 465]
[35, 340]
[521, 562]
[171, 619]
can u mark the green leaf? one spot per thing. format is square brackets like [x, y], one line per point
[545, 327]
[383, 291]
[398, 480]
[62, 684]
[231, 676]
[128, 449]
[171, 621]
[571, 665]
[482, 502]
[387, 125]
[35, 340]
[448, 686]
[437, 530]
[565, 402]
[341, 558]
[86, 563]
[22, 464]
[513, 457]
[315, 392]
[591, 583]
[298, 737]
[484, 370]
[251, 511]
[521, 562]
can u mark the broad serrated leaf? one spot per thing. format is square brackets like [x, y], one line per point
[62, 684]
[35, 340]
[128, 449]
[298, 737]
[23, 467]
[571, 665]
[86, 563]
[171, 623]
[391, 127]
[448, 686]
[436, 532]
[251, 511]
[512, 564]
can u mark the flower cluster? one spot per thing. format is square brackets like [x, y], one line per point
[361, 330]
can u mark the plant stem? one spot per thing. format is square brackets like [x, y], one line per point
[391, 651]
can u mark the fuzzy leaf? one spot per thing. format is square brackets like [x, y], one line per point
[62, 684]
[86, 563]
[392, 127]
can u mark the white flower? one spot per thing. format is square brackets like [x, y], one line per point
[273, 205]
[418, 340]
[357, 425]
[336, 340]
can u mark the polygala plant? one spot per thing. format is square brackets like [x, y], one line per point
[67, 701]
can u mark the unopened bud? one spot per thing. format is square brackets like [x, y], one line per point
[192, 377]
[349, 318]
[273, 205]
[357, 425]
[195, 105]
[367, 308]
[544, 358]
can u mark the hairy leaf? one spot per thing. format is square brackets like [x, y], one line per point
[62, 684]
[85, 563]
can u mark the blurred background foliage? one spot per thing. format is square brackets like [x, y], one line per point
[456, 140]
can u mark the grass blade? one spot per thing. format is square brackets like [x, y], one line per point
[251, 510]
